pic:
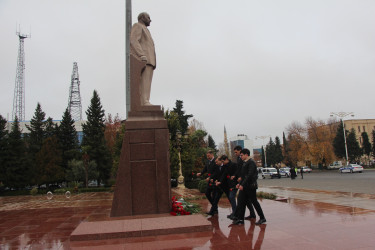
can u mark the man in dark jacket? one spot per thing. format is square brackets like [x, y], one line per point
[248, 186]
[226, 184]
[210, 169]
[236, 177]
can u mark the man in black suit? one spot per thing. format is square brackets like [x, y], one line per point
[248, 186]
[236, 177]
[225, 184]
[210, 169]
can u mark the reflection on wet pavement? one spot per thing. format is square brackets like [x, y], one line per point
[35, 222]
[354, 200]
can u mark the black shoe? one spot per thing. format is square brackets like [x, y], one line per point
[260, 221]
[250, 217]
[229, 216]
[238, 222]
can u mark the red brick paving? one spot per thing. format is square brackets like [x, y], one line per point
[37, 223]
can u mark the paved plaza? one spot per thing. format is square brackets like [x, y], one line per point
[305, 219]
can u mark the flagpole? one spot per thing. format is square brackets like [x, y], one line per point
[128, 24]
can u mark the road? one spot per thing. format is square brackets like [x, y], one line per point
[330, 180]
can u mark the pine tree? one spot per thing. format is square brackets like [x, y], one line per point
[211, 143]
[50, 128]
[16, 166]
[3, 147]
[35, 139]
[49, 160]
[68, 140]
[373, 143]
[286, 151]
[37, 129]
[354, 150]
[93, 138]
[339, 142]
[278, 151]
[366, 145]
[270, 151]
[183, 119]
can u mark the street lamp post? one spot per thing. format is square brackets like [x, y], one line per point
[180, 179]
[342, 115]
[264, 147]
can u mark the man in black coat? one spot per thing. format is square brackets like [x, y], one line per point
[226, 184]
[236, 177]
[210, 169]
[248, 186]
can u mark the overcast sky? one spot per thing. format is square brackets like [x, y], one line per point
[253, 66]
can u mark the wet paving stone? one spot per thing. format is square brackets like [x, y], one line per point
[303, 222]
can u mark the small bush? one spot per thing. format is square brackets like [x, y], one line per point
[265, 195]
[97, 189]
[192, 184]
[34, 191]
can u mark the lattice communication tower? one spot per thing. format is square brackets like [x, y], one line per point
[19, 88]
[75, 106]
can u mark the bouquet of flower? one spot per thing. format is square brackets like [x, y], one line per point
[182, 207]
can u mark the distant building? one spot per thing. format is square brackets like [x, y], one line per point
[243, 141]
[25, 130]
[360, 126]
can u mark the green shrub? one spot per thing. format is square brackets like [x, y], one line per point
[265, 195]
[96, 189]
[192, 184]
[202, 186]
[34, 191]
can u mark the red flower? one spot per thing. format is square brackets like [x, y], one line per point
[228, 176]
[173, 213]
[209, 174]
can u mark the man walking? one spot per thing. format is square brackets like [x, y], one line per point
[210, 169]
[226, 184]
[236, 177]
[248, 186]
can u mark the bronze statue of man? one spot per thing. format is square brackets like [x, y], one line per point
[142, 46]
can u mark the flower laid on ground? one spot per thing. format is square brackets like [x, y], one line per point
[182, 207]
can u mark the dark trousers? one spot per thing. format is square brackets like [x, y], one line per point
[232, 199]
[248, 197]
[210, 194]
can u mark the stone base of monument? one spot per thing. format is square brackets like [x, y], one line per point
[140, 227]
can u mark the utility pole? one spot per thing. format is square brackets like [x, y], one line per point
[19, 88]
[128, 23]
[226, 147]
[75, 106]
[265, 151]
[342, 115]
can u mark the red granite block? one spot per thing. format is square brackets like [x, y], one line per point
[102, 230]
[142, 136]
[142, 151]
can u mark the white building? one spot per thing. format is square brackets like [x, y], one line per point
[243, 141]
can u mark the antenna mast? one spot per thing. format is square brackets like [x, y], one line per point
[75, 106]
[19, 88]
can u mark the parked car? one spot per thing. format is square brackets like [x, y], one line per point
[335, 165]
[305, 170]
[269, 172]
[351, 168]
[285, 170]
